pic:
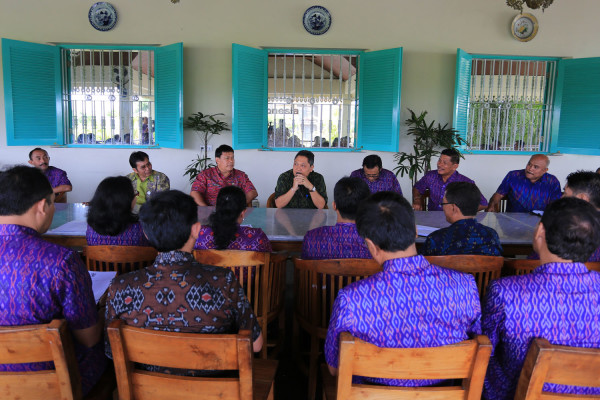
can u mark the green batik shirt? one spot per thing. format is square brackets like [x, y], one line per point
[157, 182]
[301, 197]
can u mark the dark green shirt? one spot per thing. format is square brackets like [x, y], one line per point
[301, 197]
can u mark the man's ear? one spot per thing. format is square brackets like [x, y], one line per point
[373, 249]
[333, 206]
[583, 196]
[539, 237]
[31, 162]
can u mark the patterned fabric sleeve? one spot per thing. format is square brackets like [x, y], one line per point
[200, 183]
[284, 183]
[109, 315]
[62, 178]
[319, 182]
[423, 183]
[475, 328]
[555, 191]
[428, 248]
[395, 185]
[245, 317]
[493, 315]
[337, 325]
[504, 187]
[246, 184]
[163, 183]
[355, 174]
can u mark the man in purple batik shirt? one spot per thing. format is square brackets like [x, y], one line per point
[436, 182]
[558, 301]
[400, 306]
[376, 177]
[45, 281]
[341, 240]
[40, 159]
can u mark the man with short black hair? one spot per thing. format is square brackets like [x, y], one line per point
[177, 293]
[41, 281]
[436, 181]
[558, 301]
[208, 182]
[465, 235]
[301, 186]
[59, 181]
[411, 303]
[376, 177]
[146, 181]
[341, 240]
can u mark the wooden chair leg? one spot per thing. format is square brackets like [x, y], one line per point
[313, 366]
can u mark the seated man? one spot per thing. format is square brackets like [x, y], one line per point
[465, 235]
[342, 239]
[527, 189]
[436, 181]
[144, 179]
[177, 293]
[558, 301]
[378, 178]
[208, 182]
[41, 281]
[40, 159]
[411, 303]
[301, 186]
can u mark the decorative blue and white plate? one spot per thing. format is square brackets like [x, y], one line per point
[103, 16]
[316, 20]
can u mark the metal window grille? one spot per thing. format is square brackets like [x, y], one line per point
[510, 107]
[109, 95]
[312, 100]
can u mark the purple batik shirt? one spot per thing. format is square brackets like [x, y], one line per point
[557, 301]
[410, 304]
[42, 281]
[524, 196]
[246, 238]
[339, 241]
[386, 181]
[57, 177]
[437, 187]
[133, 235]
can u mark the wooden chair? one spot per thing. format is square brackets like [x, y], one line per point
[276, 306]
[466, 360]
[483, 268]
[316, 284]
[61, 198]
[122, 259]
[562, 365]
[193, 351]
[514, 266]
[424, 200]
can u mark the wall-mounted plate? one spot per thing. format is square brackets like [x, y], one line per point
[103, 16]
[316, 20]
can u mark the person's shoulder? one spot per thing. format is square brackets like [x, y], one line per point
[287, 173]
[315, 173]
[131, 176]
[355, 173]
[160, 174]
[57, 170]
[551, 178]
[387, 172]
[317, 232]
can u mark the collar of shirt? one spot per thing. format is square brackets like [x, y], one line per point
[232, 173]
[172, 257]
[466, 221]
[150, 178]
[12, 229]
[408, 265]
[560, 268]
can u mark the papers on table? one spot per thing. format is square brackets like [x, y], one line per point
[100, 282]
[70, 228]
[423, 230]
[537, 212]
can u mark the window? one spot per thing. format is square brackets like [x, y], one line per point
[321, 99]
[93, 95]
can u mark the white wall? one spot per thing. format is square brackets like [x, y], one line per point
[429, 30]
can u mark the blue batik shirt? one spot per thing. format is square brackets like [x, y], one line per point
[411, 303]
[339, 241]
[557, 301]
[524, 196]
[466, 236]
[386, 181]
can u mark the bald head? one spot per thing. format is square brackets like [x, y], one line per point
[537, 167]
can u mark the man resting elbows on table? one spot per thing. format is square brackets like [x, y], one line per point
[301, 186]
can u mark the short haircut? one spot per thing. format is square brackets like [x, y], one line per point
[22, 187]
[308, 154]
[572, 228]
[224, 148]
[388, 220]
[167, 219]
[586, 182]
[372, 161]
[465, 195]
[110, 208]
[598, 171]
[542, 156]
[348, 193]
[231, 201]
[36, 149]
[453, 154]
[137, 156]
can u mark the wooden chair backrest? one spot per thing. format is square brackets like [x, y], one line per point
[316, 284]
[122, 259]
[190, 351]
[562, 365]
[61, 198]
[276, 284]
[483, 268]
[424, 200]
[515, 266]
[39, 343]
[466, 360]
[271, 201]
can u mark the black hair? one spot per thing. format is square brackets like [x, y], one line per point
[137, 156]
[348, 193]
[110, 209]
[22, 187]
[308, 154]
[388, 220]
[586, 182]
[465, 195]
[167, 219]
[372, 161]
[453, 154]
[231, 201]
[572, 228]
[36, 149]
[598, 171]
[223, 149]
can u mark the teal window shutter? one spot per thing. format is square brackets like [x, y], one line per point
[576, 122]
[168, 68]
[462, 90]
[380, 75]
[249, 87]
[32, 94]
